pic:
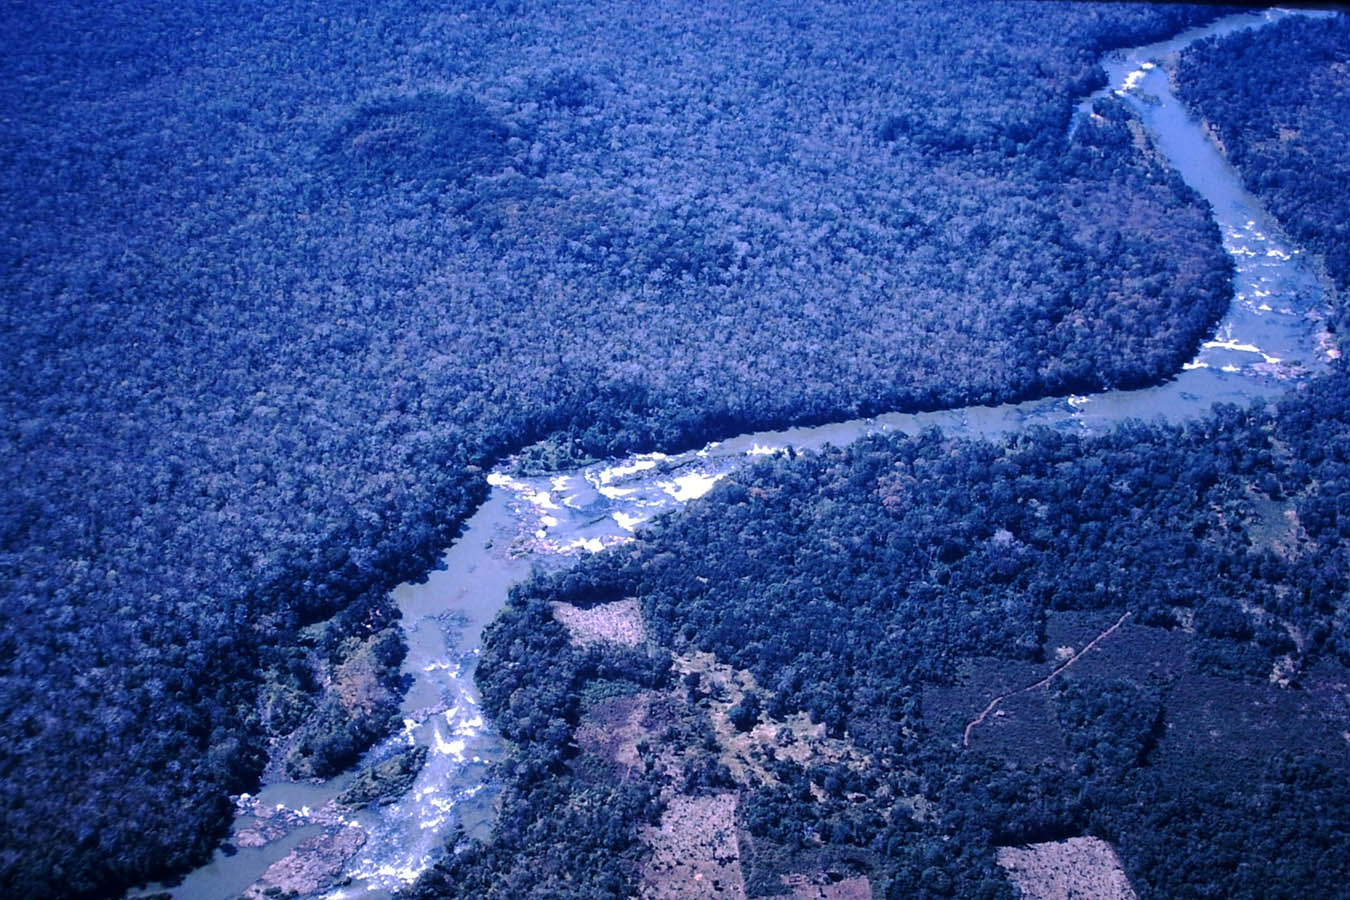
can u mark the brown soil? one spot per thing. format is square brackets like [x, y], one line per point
[745, 753]
[612, 729]
[357, 685]
[820, 888]
[695, 849]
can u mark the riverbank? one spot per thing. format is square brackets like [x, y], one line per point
[1262, 346]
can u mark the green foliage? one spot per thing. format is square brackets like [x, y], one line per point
[1108, 724]
[280, 280]
[1285, 127]
[386, 781]
[552, 455]
[360, 705]
[845, 580]
[1279, 832]
[745, 714]
[422, 139]
[855, 582]
[565, 830]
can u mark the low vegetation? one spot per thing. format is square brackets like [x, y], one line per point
[386, 781]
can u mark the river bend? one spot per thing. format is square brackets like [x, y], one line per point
[1269, 340]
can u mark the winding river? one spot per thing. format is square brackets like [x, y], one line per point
[1268, 341]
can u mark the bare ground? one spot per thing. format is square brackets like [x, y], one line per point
[820, 888]
[695, 853]
[357, 685]
[695, 849]
[310, 867]
[1081, 868]
[744, 753]
[613, 728]
[619, 622]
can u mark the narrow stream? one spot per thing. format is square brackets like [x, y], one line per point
[1268, 340]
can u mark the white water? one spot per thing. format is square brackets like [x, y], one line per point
[1266, 342]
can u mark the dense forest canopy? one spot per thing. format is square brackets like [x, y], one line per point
[279, 281]
[889, 590]
[1284, 126]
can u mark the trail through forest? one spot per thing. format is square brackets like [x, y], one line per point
[1044, 682]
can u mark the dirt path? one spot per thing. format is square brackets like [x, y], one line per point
[965, 739]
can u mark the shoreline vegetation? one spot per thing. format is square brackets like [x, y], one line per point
[889, 589]
[272, 314]
[969, 567]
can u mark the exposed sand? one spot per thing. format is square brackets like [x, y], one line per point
[1081, 868]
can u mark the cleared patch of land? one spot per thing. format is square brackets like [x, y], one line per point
[820, 888]
[612, 729]
[695, 852]
[619, 622]
[745, 753]
[1080, 867]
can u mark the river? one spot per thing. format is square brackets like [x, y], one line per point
[1268, 341]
